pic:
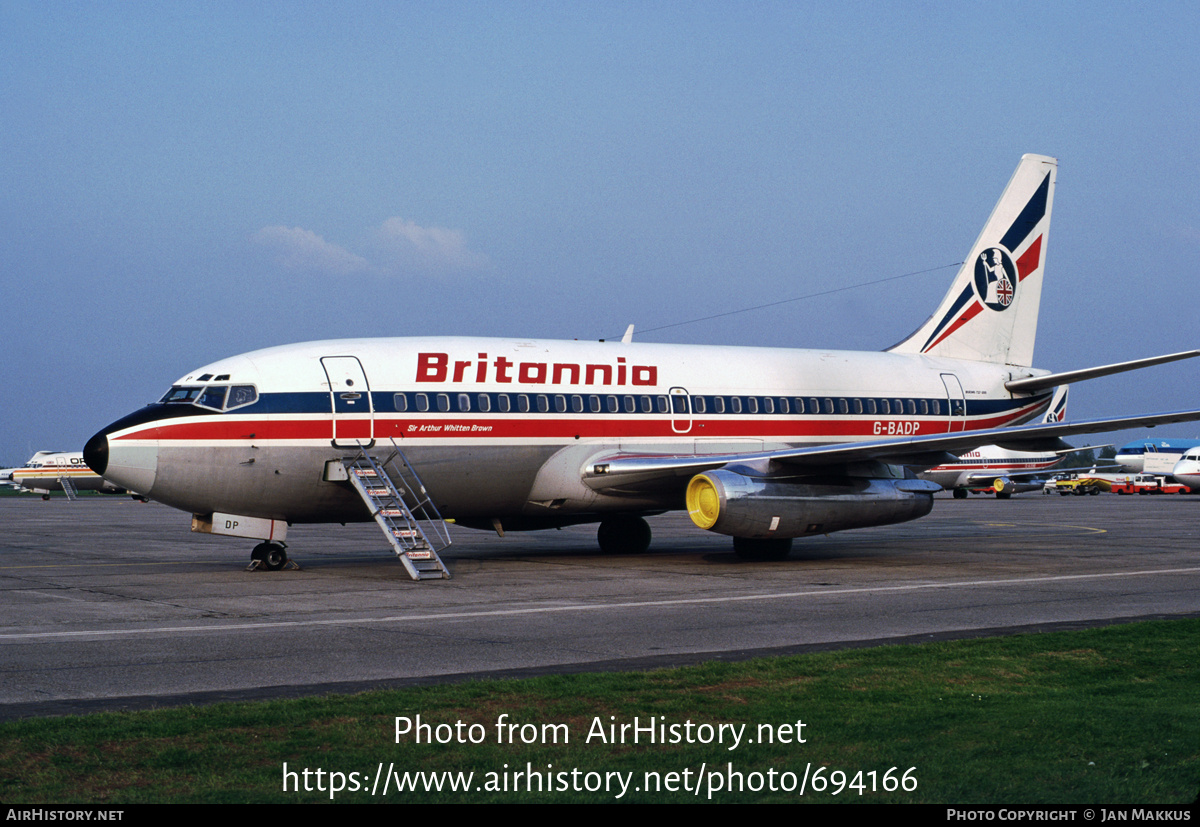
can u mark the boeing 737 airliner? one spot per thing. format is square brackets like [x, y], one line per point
[763, 445]
[48, 471]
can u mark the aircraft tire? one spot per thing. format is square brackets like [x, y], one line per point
[623, 535]
[272, 556]
[960, 493]
[276, 557]
[1004, 495]
[748, 548]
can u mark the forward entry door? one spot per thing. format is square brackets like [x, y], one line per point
[350, 401]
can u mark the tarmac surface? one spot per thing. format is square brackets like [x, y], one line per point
[106, 603]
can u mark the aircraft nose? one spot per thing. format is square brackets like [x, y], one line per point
[95, 453]
[131, 459]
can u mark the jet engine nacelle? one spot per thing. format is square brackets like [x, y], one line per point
[730, 503]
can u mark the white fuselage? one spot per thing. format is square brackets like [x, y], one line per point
[502, 428]
[45, 471]
[1153, 456]
[1187, 470]
[977, 468]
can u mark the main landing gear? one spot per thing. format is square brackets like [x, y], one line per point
[269, 556]
[623, 535]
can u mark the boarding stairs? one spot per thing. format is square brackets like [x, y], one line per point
[68, 488]
[402, 508]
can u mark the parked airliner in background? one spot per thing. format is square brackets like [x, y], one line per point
[1153, 456]
[1187, 470]
[1002, 471]
[760, 444]
[48, 471]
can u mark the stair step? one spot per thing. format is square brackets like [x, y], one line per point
[400, 523]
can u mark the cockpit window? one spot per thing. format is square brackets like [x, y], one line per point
[240, 395]
[214, 397]
[178, 393]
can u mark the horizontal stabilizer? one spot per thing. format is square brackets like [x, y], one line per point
[1033, 384]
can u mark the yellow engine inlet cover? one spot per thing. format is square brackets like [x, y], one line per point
[703, 501]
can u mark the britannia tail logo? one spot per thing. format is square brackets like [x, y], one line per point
[996, 278]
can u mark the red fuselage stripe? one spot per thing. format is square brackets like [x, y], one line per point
[550, 428]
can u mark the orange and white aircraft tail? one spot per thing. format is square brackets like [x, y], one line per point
[990, 313]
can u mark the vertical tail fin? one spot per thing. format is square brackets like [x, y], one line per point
[1057, 411]
[991, 311]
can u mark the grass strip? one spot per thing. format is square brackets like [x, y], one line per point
[1098, 717]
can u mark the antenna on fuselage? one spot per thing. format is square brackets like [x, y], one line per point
[628, 337]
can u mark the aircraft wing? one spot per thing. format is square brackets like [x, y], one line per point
[624, 469]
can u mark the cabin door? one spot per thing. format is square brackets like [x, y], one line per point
[681, 411]
[350, 401]
[957, 401]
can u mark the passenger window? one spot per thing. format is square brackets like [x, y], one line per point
[443, 402]
[843, 406]
[884, 407]
[612, 404]
[630, 405]
[422, 402]
[647, 405]
[924, 407]
[594, 404]
[856, 406]
[937, 408]
[827, 405]
[871, 406]
[543, 403]
[799, 405]
[523, 402]
[698, 404]
[400, 402]
[485, 402]
[911, 407]
[560, 403]
[735, 404]
[505, 403]
[752, 404]
[719, 404]
[464, 402]
[813, 406]
[663, 404]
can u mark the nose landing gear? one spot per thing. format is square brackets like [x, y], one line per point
[271, 557]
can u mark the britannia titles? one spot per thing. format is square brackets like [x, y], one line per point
[437, 367]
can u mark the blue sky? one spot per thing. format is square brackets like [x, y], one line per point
[183, 181]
